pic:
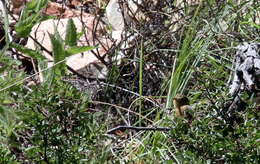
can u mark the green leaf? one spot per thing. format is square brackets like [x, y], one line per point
[30, 16]
[79, 49]
[24, 27]
[36, 5]
[71, 34]
[251, 24]
[58, 54]
[32, 53]
[80, 34]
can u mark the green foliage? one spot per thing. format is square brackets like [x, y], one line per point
[61, 48]
[64, 129]
[32, 53]
[60, 51]
[78, 49]
[71, 40]
[213, 140]
[8, 99]
[185, 62]
[55, 126]
[31, 15]
[141, 63]
[52, 123]
[71, 34]
[58, 54]
[201, 71]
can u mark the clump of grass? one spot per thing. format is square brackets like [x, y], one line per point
[200, 70]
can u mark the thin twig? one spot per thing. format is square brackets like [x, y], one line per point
[122, 108]
[136, 94]
[111, 131]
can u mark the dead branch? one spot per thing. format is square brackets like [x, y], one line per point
[111, 131]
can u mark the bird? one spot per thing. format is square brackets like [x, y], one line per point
[182, 106]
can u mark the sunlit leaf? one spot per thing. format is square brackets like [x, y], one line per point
[32, 53]
[79, 49]
[71, 34]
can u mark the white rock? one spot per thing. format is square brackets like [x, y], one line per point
[115, 16]
[79, 61]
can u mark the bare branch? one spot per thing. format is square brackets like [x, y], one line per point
[111, 131]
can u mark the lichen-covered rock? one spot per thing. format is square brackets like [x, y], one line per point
[247, 68]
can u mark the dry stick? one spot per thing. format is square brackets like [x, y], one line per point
[122, 108]
[111, 131]
[86, 38]
[136, 94]
[123, 89]
[131, 127]
[123, 118]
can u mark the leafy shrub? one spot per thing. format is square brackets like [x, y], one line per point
[56, 126]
